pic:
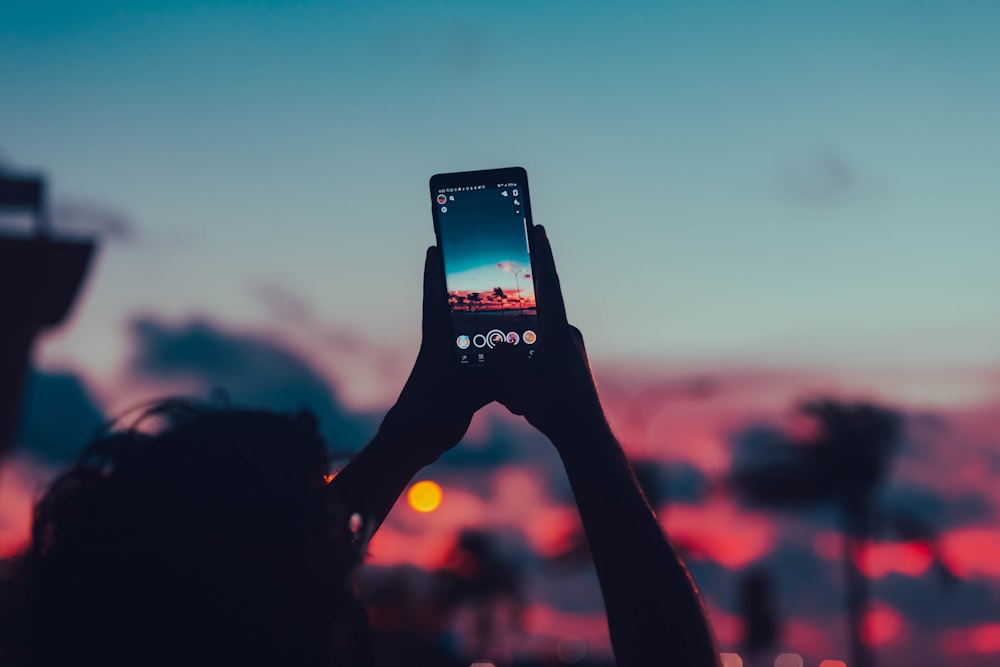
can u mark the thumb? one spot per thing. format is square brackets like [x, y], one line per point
[435, 306]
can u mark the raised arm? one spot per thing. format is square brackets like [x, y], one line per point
[430, 416]
[655, 616]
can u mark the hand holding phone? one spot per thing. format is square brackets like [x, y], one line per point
[556, 391]
[439, 398]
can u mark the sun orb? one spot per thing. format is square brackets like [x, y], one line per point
[424, 496]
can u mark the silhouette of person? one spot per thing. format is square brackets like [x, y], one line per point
[207, 535]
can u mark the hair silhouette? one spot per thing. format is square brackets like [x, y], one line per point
[212, 539]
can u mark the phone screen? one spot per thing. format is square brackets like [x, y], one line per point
[482, 229]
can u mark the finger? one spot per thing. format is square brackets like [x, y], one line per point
[582, 348]
[509, 371]
[551, 308]
[578, 339]
[479, 387]
[435, 306]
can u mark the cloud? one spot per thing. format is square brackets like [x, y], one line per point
[463, 47]
[806, 586]
[252, 369]
[59, 417]
[822, 179]
[459, 48]
[507, 479]
[501, 438]
[284, 306]
[929, 606]
[88, 218]
[367, 372]
[962, 508]
[83, 217]
[282, 303]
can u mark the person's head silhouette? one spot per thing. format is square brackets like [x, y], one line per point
[213, 539]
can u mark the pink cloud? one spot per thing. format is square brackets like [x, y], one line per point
[545, 621]
[878, 559]
[883, 625]
[807, 637]
[972, 552]
[982, 639]
[720, 532]
[728, 628]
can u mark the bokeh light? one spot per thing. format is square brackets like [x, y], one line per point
[571, 650]
[731, 660]
[424, 496]
[788, 660]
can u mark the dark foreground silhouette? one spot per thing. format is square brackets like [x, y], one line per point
[208, 535]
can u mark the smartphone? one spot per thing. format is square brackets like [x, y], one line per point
[481, 220]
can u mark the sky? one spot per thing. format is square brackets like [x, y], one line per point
[748, 202]
[483, 242]
[798, 183]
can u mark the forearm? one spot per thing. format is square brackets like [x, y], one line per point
[374, 479]
[655, 616]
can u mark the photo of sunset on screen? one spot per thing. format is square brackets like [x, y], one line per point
[488, 275]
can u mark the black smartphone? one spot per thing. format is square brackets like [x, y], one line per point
[481, 220]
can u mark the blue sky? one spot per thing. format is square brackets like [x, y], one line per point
[768, 182]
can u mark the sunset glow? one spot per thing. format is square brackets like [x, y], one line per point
[749, 205]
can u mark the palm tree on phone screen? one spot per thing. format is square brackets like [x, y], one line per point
[501, 297]
[513, 268]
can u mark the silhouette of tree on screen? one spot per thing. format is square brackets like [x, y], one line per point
[842, 459]
[474, 300]
[500, 296]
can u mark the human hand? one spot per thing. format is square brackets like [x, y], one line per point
[555, 390]
[437, 402]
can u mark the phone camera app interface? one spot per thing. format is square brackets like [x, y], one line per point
[484, 245]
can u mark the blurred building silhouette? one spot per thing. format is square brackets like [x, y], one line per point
[40, 277]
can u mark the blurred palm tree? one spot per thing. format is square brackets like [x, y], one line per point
[500, 296]
[841, 458]
[478, 576]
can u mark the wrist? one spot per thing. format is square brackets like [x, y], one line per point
[580, 435]
[403, 438]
